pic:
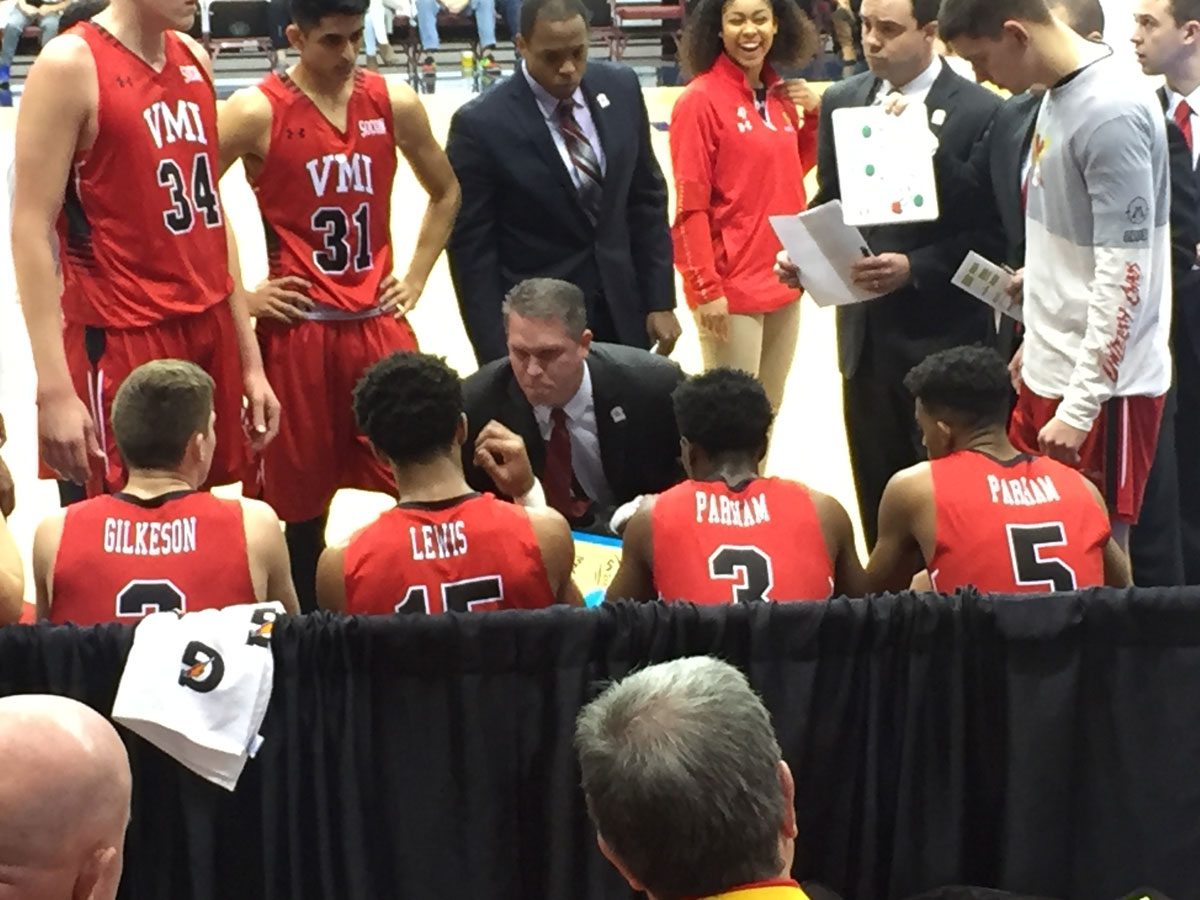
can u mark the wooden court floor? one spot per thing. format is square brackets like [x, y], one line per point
[809, 440]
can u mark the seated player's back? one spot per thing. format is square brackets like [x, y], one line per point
[121, 557]
[466, 554]
[762, 540]
[1026, 525]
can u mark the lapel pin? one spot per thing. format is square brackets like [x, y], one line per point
[938, 117]
[602, 99]
[618, 415]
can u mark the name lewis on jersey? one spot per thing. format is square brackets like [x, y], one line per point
[353, 174]
[168, 126]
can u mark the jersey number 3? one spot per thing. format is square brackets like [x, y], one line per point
[748, 567]
[186, 205]
[1032, 567]
[334, 226]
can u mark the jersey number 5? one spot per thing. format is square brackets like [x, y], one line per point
[185, 206]
[333, 224]
[749, 567]
[1032, 567]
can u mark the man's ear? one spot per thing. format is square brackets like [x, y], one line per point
[617, 864]
[787, 786]
[99, 876]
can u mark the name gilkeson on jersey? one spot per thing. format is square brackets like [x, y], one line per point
[172, 538]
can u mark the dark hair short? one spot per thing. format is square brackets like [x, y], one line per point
[986, 18]
[551, 11]
[969, 385]
[409, 406]
[723, 411]
[307, 14]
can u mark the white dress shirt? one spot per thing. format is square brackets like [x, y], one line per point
[585, 440]
[548, 104]
[917, 89]
[1193, 100]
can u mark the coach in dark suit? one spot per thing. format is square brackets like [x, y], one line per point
[596, 419]
[558, 179]
[921, 312]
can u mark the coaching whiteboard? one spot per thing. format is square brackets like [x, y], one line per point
[885, 165]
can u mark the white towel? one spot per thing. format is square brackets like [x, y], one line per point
[197, 686]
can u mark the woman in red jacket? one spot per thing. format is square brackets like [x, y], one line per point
[740, 148]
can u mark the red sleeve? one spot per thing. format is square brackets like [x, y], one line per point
[693, 151]
[807, 138]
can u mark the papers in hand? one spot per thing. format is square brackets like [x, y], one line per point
[885, 165]
[986, 281]
[825, 248]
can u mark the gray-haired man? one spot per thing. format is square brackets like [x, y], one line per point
[687, 748]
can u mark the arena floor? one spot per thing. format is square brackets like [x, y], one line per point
[809, 441]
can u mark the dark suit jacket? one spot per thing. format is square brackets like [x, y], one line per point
[521, 215]
[901, 329]
[1185, 232]
[631, 389]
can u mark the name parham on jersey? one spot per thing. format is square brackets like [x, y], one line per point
[717, 509]
[445, 540]
[170, 538]
[1023, 491]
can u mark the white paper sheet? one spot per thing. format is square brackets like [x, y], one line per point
[824, 247]
[986, 281]
[885, 165]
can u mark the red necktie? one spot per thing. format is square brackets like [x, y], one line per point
[558, 477]
[1183, 118]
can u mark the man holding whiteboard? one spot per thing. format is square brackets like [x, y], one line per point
[920, 312]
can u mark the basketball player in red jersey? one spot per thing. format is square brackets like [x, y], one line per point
[980, 512]
[160, 544]
[319, 147]
[444, 547]
[124, 164]
[728, 535]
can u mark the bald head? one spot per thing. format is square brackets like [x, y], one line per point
[63, 815]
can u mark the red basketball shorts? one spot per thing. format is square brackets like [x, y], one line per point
[1116, 455]
[99, 359]
[313, 367]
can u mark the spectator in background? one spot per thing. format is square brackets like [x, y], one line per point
[64, 805]
[427, 27]
[846, 36]
[596, 419]
[686, 784]
[559, 180]
[740, 153]
[23, 14]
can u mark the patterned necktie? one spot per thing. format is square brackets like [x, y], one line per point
[583, 158]
[559, 475]
[1183, 118]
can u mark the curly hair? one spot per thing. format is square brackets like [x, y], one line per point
[409, 406]
[794, 45]
[723, 411]
[970, 385]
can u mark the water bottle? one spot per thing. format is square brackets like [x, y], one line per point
[468, 62]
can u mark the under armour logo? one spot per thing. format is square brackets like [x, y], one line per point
[122, 81]
[299, 132]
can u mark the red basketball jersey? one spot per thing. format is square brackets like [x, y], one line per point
[713, 544]
[326, 195]
[468, 554]
[142, 230]
[1029, 525]
[121, 557]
